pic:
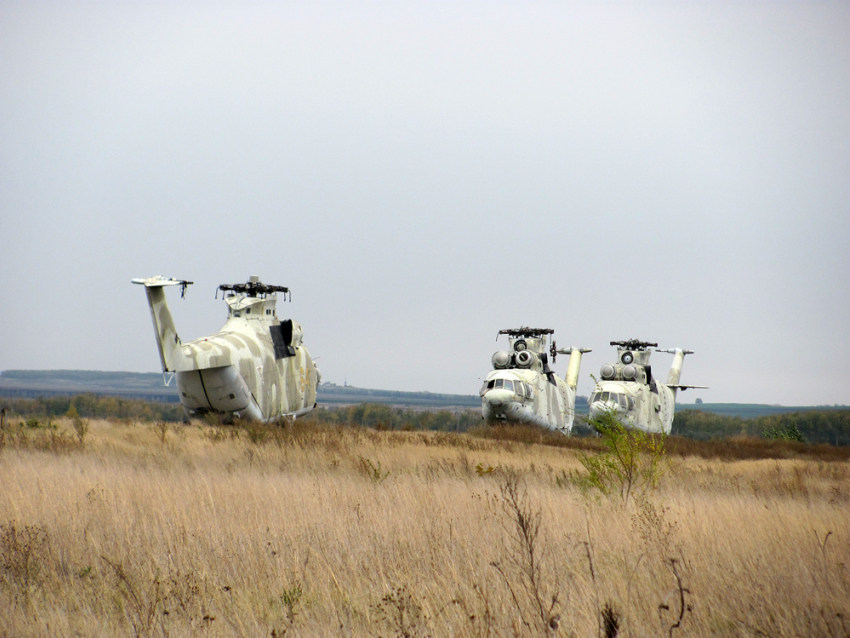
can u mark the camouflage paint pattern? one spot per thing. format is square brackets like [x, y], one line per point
[546, 401]
[628, 389]
[235, 371]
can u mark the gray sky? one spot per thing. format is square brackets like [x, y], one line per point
[422, 174]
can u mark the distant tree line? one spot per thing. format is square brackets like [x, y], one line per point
[366, 395]
[814, 426]
[386, 417]
[374, 415]
[94, 406]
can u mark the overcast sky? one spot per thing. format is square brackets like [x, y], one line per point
[423, 174]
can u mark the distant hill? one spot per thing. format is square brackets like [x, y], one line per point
[32, 384]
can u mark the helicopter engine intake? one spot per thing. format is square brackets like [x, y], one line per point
[501, 360]
[524, 359]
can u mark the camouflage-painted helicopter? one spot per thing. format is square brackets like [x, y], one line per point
[255, 367]
[628, 388]
[523, 389]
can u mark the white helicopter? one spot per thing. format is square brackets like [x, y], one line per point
[523, 389]
[255, 367]
[628, 389]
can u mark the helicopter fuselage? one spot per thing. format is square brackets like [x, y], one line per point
[522, 389]
[255, 367]
[628, 390]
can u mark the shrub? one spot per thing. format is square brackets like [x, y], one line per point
[631, 460]
[787, 433]
[81, 425]
[373, 471]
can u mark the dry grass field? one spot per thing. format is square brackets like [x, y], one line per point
[309, 530]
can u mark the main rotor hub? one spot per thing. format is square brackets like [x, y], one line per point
[533, 333]
[634, 344]
[254, 288]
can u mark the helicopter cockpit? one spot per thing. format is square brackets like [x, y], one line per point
[616, 400]
[518, 387]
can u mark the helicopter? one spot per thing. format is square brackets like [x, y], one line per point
[523, 389]
[628, 389]
[254, 368]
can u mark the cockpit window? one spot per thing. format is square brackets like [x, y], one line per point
[622, 400]
[507, 384]
[519, 388]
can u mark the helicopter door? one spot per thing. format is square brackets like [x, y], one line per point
[282, 339]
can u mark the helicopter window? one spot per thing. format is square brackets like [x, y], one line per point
[507, 384]
[623, 403]
[529, 391]
[487, 385]
[237, 314]
[247, 311]
[631, 403]
[519, 388]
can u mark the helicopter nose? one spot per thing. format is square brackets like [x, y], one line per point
[598, 408]
[497, 400]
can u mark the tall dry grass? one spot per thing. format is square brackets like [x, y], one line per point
[320, 531]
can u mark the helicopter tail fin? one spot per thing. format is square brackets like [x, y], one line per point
[574, 365]
[676, 368]
[170, 352]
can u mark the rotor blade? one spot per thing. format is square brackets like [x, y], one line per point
[160, 281]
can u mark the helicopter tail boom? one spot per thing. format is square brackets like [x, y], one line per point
[168, 343]
[574, 366]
